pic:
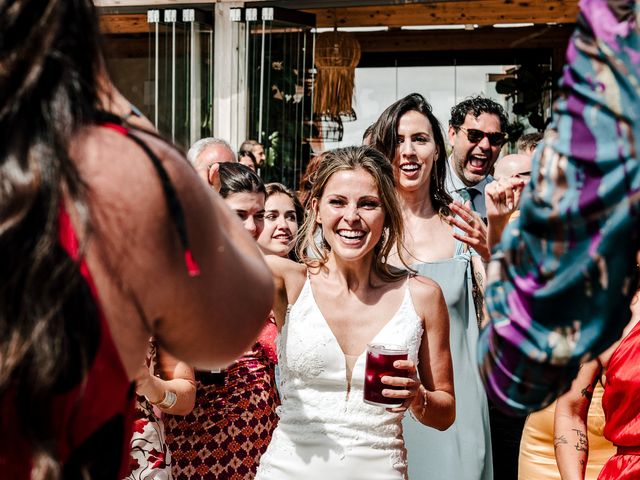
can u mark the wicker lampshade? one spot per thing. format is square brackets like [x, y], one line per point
[336, 57]
[327, 128]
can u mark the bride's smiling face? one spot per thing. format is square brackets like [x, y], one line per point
[351, 214]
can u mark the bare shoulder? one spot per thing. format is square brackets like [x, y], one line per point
[289, 276]
[428, 299]
[130, 210]
[113, 164]
[283, 266]
[424, 288]
[126, 189]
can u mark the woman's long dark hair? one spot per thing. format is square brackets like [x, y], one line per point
[50, 59]
[384, 137]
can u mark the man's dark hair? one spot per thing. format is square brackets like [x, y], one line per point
[248, 153]
[476, 106]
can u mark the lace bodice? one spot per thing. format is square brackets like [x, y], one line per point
[320, 408]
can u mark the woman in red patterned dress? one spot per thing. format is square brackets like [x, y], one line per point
[234, 415]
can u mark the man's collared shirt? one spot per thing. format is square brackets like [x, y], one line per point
[456, 188]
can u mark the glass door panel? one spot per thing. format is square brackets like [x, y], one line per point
[280, 61]
[168, 72]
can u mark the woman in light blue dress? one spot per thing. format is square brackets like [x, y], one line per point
[409, 135]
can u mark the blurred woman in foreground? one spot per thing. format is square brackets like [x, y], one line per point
[106, 237]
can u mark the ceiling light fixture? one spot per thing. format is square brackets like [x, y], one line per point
[433, 27]
[512, 25]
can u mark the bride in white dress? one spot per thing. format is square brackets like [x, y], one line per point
[329, 309]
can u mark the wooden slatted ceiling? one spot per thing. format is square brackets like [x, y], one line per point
[481, 12]
[538, 37]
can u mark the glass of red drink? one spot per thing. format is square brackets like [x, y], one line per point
[380, 360]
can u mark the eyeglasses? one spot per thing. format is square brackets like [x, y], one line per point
[496, 139]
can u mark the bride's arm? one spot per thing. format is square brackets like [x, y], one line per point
[288, 277]
[434, 404]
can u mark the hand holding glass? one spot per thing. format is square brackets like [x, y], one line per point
[380, 359]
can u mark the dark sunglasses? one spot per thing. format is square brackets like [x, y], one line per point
[496, 139]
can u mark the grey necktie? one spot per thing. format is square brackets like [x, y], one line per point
[476, 199]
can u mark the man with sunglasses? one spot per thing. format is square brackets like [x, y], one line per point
[476, 134]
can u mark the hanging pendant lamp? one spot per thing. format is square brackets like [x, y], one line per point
[336, 57]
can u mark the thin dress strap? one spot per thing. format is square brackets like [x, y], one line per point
[174, 206]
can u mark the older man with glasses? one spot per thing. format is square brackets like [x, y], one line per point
[476, 134]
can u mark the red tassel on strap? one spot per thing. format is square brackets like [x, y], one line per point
[192, 266]
[116, 127]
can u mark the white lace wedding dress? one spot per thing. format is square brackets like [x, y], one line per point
[325, 430]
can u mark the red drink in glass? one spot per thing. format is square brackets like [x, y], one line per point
[380, 360]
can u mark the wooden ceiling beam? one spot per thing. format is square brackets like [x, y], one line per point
[536, 37]
[480, 12]
[124, 23]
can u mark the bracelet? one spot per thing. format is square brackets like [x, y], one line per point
[424, 401]
[423, 407]
[167, 402]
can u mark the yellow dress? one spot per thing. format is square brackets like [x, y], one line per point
[537, 460]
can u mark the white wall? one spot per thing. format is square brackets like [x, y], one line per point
[443, 87]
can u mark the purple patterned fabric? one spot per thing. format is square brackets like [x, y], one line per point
[562, 278]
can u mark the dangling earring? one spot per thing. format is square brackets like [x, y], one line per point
[322, 242]
[383, 238]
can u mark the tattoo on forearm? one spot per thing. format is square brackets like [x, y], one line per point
[561, 440]
[582, 444]
[479, 281]
[587, 393]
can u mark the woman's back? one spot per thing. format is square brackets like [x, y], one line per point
[134, 272]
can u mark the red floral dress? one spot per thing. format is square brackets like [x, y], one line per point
[150, 456]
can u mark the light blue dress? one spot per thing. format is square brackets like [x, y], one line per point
[463, 452]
